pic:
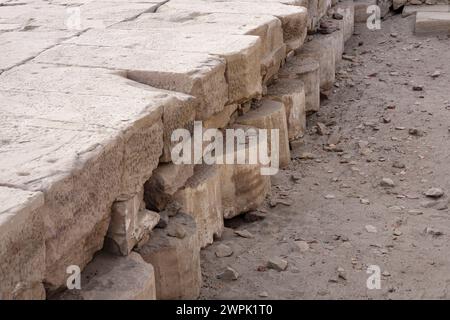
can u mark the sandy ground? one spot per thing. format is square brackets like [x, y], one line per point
[331, 200]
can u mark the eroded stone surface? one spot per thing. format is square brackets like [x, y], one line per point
[110, 277]
[432, 23]
[176, 260]
[291, 92]
[202, 198]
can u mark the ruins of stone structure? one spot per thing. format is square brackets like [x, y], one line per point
[89, 101]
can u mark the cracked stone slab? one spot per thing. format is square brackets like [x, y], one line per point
[198, 74]
[178, 109]
[18, 47]
[293, 18]
[242, 53]
[93, 14]
[21, 226]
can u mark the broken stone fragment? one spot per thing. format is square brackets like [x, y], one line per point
[201, 198]
[229, 274]
[223, 250]
[277, 264]
[166, 180]
[370, 229]
[387, 182]
[110, 277]
[244, 234]
[434, 193]
[176, 260]
[130, 223]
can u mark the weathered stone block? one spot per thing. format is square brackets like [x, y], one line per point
[175, 257]
[166, 180]
[361, 6]
[130, 223]
[202, 198]
[22, 247]
[222, 119]
[321, 48]
[432, 23]
[110, 277]
[291, 92]
[307, 70]
[347, 10]
[242, 53]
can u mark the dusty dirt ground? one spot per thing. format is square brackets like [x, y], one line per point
[375, 105]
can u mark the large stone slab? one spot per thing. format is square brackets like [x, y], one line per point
[22, 247]
[307, 70]
[83, 158]
[198, 74]
[174, 252]
[202, 198]
[291, 92]
[293, 18]
[413, 9]
[110, 277]
[178, 109]
[266, 27]
[242, 53]
[18, 47]
[432, 23]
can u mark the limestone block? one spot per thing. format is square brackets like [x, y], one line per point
[432, 23]
[18, 47]
[347, 10]
[178, 109]
[321, 48]
[166, 180]
[22, 247]
[243, 187]
[268, 28]
[242, 53]
[270, 115]
[110, 277]
[313, 16]
[202, 199]
[130, 223]
[176, 259]
[198, 74]
[293, 18]
[361, 6]
[291, 92]
[413, 9]
[322, 7]
[307, 70]
[222, 119]
[385, 7]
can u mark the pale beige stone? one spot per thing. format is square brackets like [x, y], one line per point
[222, 119]
[347, 10]
[166, 180]
[110, 277]
[413, 9]
[242, 53]
[130, 223]
[432, 23]
[243, 187]
[307, 70]
[202, 198]
[321, 48]
[198, 74]
[270, 115]
[22, 246]
[268, 28]
[176, 260]
[291, 92]
[293, 18]
[361, 6]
